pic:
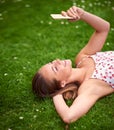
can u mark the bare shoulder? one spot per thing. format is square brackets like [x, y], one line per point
[79, 57]
[95, 87]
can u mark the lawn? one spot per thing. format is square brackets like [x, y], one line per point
[29, 38]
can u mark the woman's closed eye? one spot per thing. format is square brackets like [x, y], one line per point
[55, 69]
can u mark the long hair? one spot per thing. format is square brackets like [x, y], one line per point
[45, 88]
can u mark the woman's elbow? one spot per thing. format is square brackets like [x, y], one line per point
[68, 119]
[107, 27]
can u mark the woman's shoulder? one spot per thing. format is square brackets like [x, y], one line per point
[79, 57]
[82, 55]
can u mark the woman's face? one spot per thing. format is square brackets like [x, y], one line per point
[57, 69]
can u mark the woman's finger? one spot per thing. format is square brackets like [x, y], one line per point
[64, 13]
[76, 12]
[69, 13]
[72, 11]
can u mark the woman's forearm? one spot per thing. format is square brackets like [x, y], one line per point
[99, 24]
[61, 107]
[80, 106]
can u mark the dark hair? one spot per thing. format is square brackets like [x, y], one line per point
[45, 88]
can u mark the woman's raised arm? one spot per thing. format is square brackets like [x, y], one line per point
[98, 38]
[101, 27]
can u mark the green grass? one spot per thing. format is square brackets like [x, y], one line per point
[29, 38]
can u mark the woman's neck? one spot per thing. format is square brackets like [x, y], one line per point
[78, 74]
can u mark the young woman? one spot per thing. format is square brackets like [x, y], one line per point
[94, 72]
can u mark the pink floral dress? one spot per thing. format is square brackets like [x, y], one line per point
[104, 67]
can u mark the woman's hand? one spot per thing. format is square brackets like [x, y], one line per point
[74, 12]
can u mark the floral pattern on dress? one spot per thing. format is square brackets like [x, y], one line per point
[104, 66]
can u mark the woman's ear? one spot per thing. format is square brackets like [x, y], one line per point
[63, 83]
